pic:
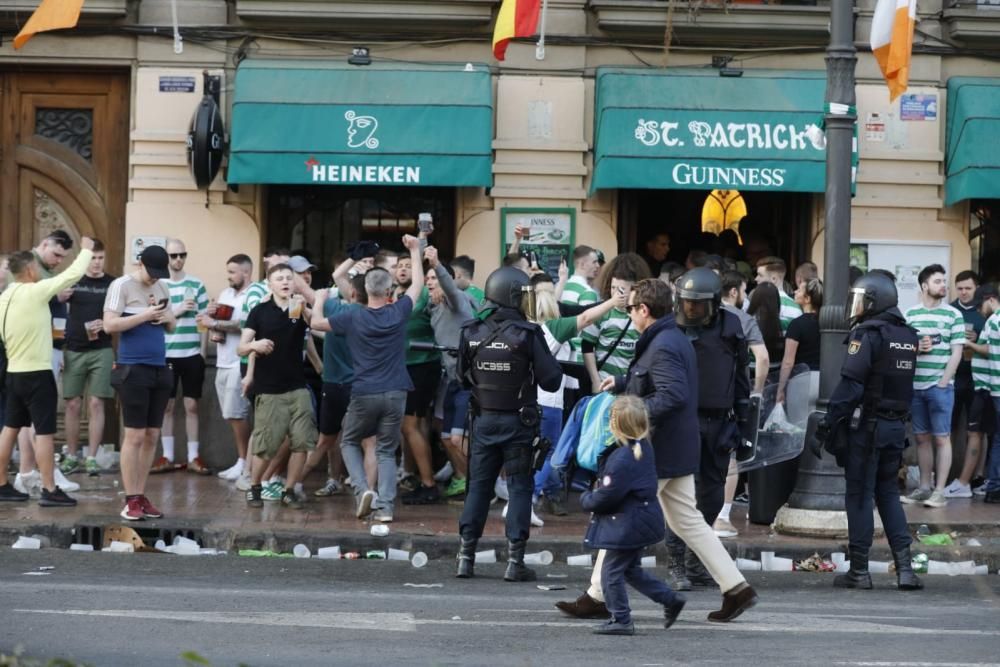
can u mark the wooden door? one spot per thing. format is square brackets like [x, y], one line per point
[64, 160]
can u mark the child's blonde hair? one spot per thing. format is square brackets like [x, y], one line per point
[629, 422]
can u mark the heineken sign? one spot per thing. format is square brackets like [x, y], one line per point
[692, 130]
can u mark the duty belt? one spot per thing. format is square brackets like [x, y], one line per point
[716, 413]
[893, 415]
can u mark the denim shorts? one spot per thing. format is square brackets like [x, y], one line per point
[931, 410]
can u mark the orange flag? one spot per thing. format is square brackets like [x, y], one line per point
[50, 15]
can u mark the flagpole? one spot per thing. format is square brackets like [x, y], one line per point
[540, 46]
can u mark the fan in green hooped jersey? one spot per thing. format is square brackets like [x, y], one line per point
[986, 367]
[945, 327]
[789, 310]
[603, 334]
[184, 340]
[579, 292]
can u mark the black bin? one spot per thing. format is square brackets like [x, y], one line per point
[770, 487]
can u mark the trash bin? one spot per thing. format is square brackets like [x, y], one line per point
[770, 487]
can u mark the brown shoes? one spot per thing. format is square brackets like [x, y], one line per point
[198, 467]
[734, 603]
[584, 607]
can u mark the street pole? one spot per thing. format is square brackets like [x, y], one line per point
[816, 506]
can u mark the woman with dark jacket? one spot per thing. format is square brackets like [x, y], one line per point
[626, 517]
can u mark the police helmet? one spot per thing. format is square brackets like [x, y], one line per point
[699, 293]
[510, 287]
[871, 294]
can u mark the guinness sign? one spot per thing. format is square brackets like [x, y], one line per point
[206, 141]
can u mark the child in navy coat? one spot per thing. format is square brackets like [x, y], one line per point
[626, 517]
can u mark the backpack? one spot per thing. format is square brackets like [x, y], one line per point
[595, 434]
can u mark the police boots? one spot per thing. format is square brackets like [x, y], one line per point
[906, 579]
[516, 570]
[678, 571]
[466, 559]
[857, 576]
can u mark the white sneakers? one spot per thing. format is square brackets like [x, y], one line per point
[233, 472]
[724, 528]
[31, 483]
[957, 490]
[365, 503]
[536, 521]
[64, 483]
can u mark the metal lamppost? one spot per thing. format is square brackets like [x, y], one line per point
[816, 506]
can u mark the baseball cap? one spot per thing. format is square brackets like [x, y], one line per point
[299, 264]
[986, 291]
[154, 259]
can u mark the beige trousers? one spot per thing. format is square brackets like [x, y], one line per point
[678, 503]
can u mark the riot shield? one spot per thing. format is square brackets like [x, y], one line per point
[782, 428]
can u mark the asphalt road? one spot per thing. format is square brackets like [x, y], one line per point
[148, 609]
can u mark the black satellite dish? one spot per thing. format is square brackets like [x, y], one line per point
[206, 141]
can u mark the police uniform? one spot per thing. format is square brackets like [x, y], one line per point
[502, 359]
[877, 378]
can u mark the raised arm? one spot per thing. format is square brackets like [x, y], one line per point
[412, 243]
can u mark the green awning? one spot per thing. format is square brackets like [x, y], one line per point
[972, 161]
[693, 129]
[332, 123]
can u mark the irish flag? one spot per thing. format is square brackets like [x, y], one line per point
[517, 18]
[50, 15]
[892, 41]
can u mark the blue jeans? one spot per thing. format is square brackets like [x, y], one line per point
[624, 566]
[382, 415]
[931, 410]
[993, 457]
[548, 481]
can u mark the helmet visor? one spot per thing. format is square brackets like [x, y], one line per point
[528, 306]
[857, 303]
[694, 312]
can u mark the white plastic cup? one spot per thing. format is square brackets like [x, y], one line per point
[160, 544]
[23, 542]
[186, 550]
[121, 547]
[420, 559]
[965, 567]
[184, 541]
[982, 569]
[301, 551]
[766, 560]
[81, 547]
[398, 554]
[878, 566]
[328, 553]
[540, 558]
[488, 556]
[380, 530]
[583, 560]
[648, 561]
[748, 565]
[938, 567]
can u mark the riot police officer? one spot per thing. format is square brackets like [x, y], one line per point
[723, 403]
[864, 426]
[503, 359]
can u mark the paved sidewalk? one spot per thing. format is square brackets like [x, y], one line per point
[216, 513]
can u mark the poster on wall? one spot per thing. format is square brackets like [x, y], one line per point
[140, 243]
[552, 235]
[903, 260]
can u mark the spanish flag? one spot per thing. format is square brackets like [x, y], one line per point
[50, 15]
[517, 18]
[892, 41]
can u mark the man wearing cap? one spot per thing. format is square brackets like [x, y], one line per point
[137, 308]
[30, 390]
[981, 415]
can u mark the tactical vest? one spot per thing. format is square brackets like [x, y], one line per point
[717, 348]
[890, 384]
[499, 360]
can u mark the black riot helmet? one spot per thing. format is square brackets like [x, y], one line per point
[510, 287]
[699, 293]
[871, 294]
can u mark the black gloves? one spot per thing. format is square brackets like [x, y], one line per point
[362, 249]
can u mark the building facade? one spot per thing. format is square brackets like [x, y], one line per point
[607, 140]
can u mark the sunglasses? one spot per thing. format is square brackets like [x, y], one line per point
[629, 307]
[178, 255]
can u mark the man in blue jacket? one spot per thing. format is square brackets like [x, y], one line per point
[664, 374]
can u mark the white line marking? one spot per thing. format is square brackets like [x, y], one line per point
[391, 622]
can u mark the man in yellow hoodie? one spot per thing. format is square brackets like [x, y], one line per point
[31, 393]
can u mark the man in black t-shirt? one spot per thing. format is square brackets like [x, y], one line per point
[88, 360]
[275, 333]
